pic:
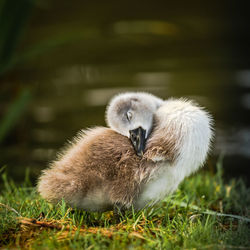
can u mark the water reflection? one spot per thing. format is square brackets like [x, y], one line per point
[233, 142]
[145, 27]
[76, 97]
[243, 78]
[41, 154]
[166, 52]
[152, 78]
[245, 100]
[43, 114]
[100, 97]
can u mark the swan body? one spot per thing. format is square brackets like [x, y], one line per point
[100, 168]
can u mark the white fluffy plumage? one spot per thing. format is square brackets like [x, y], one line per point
[190, 127]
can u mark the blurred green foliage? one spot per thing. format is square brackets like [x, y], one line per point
[14, 15]
[14, 112]
[14, 20]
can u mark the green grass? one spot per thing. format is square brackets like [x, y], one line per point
[178, 222]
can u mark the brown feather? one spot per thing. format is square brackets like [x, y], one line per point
[102, 159]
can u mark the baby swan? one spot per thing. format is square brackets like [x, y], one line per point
[100, 169]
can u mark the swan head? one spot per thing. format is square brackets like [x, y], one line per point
[131, 114]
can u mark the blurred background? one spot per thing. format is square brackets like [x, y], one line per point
[61, 62]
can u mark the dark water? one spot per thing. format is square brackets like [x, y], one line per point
[199, 50]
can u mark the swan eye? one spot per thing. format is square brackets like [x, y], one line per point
[129, 115]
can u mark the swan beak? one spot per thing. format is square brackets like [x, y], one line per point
[138, 139]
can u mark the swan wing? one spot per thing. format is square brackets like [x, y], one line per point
[181, 134]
